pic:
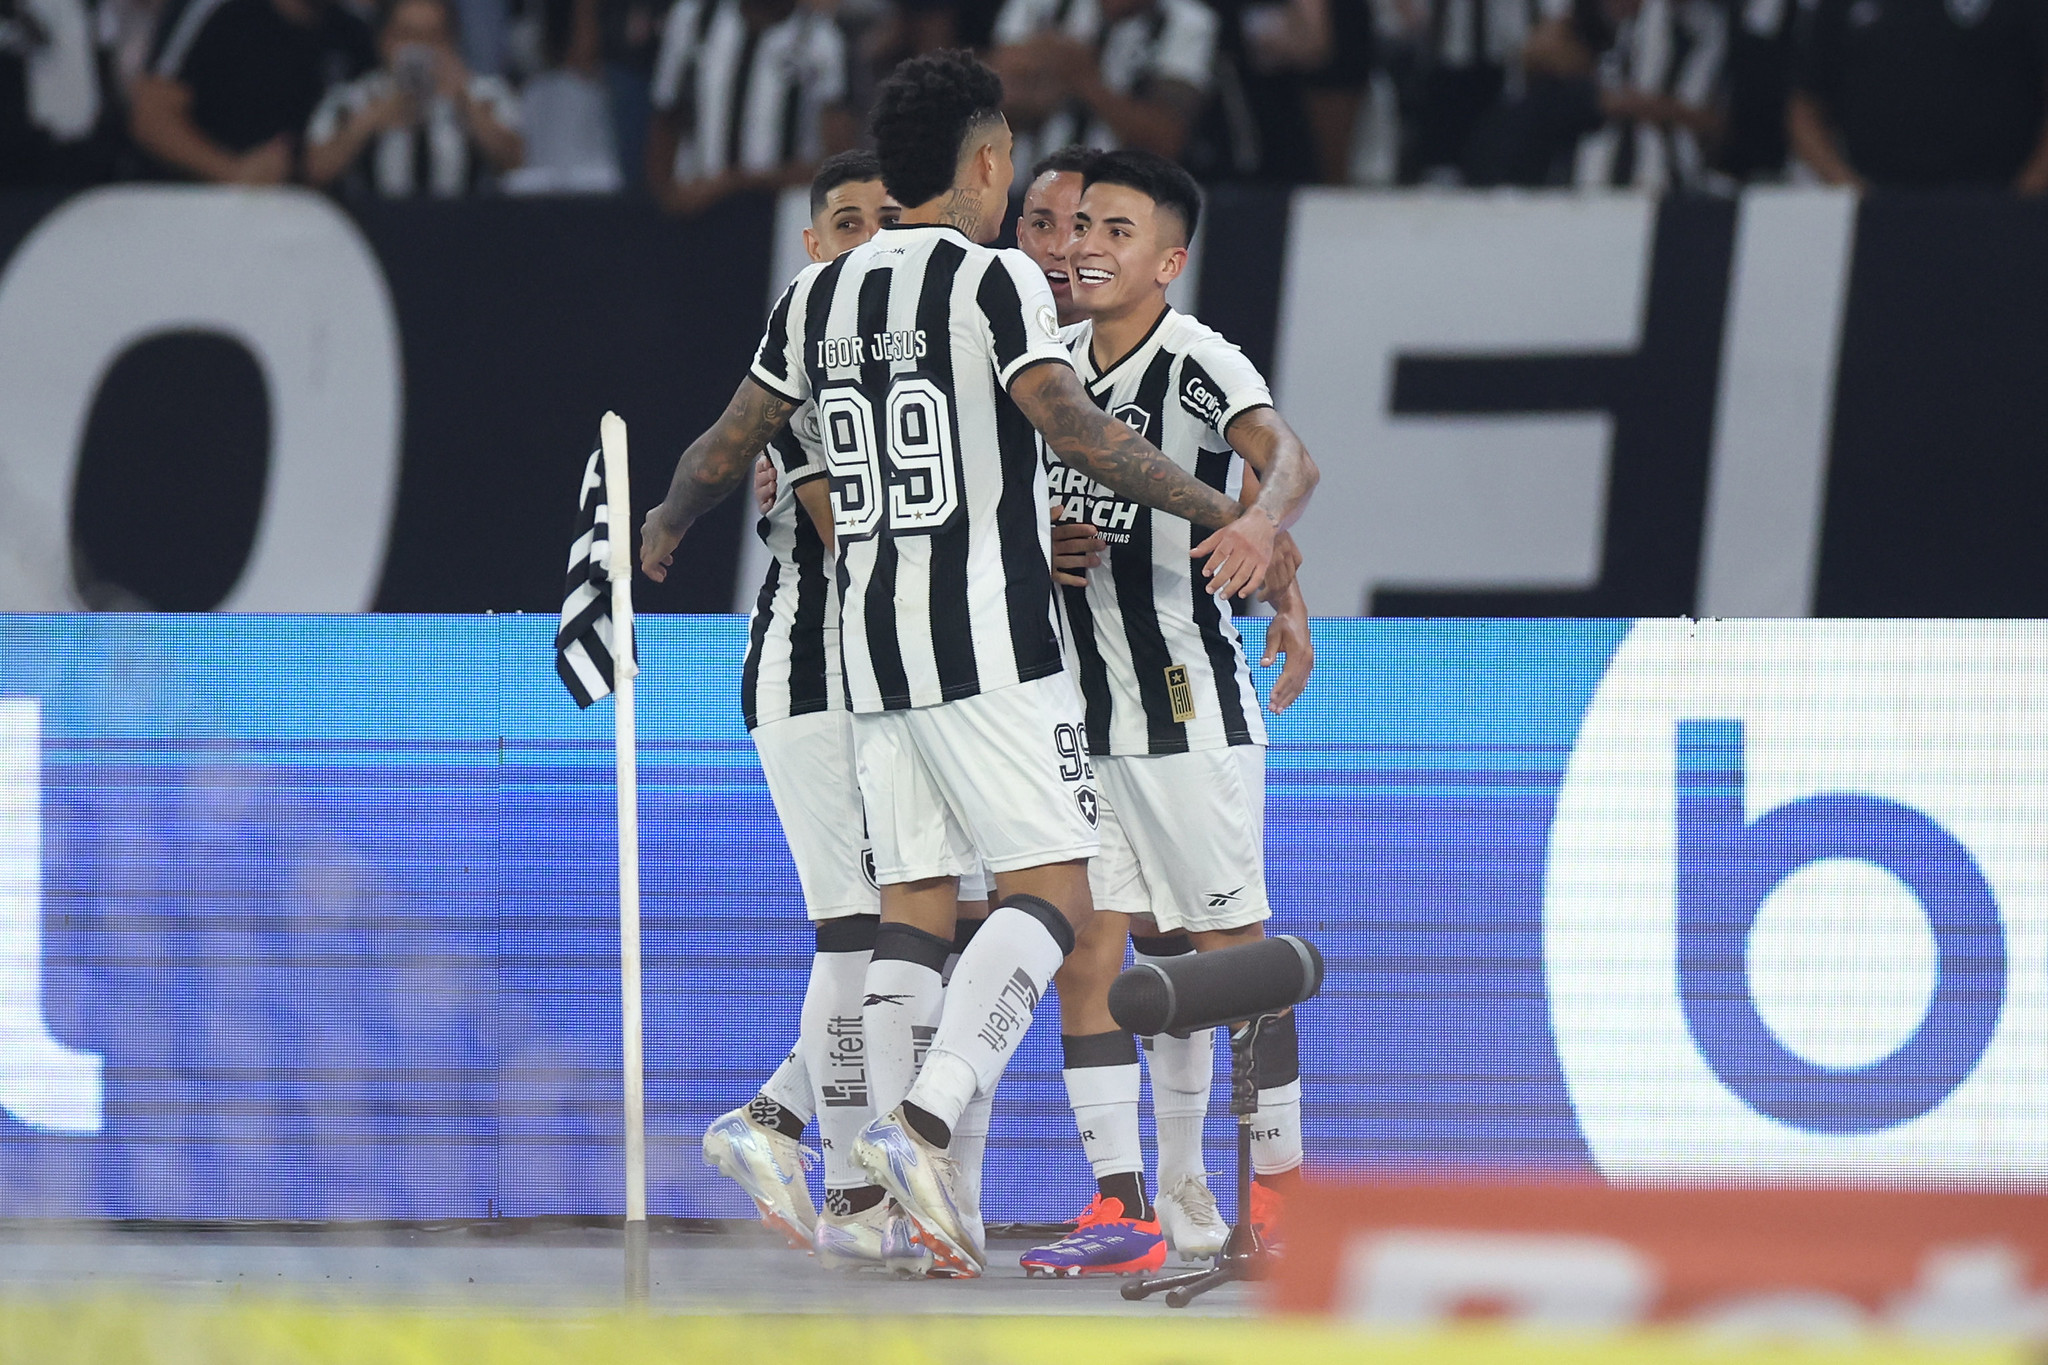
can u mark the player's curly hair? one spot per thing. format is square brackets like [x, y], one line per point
[923, 114]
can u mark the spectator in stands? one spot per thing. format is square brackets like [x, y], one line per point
[1760, 55]
[1617, 93]
[1465, 50]
[747, 94]
[1103, 73]
[232, 84]
[1293, 76]
[50, 93]
[1923, 92]
[419, 124]
[565, 111]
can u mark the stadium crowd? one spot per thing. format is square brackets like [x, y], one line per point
[694, 100]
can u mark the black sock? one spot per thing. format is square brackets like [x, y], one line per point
[769, 1114]
[1128, 1189]
[927, 1125]
[851, 1200]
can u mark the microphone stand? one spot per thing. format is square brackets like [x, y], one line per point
[1244, 1256]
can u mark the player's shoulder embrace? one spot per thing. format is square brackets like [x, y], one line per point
[1074, 333]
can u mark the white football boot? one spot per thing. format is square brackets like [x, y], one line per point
[923, 1179]
[1189, 1218]
[901, 1251]
[853, 1241]
[770, 1168]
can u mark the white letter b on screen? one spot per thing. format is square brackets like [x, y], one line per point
[42, 1082]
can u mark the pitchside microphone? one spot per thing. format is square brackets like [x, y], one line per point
[1182, 995]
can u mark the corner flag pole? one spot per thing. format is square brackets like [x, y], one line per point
[612, 437]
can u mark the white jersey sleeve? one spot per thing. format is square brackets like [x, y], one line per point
[779, 361]
[1218, 386]
[1019, 322]
[799, 448]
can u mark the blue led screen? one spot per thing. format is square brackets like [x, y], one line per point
[316, 917]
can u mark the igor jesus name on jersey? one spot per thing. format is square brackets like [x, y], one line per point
[907, 345]
[1159, 663]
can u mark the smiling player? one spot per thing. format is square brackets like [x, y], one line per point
[1173, 724]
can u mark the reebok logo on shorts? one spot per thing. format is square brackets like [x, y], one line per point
[1223, 900]
[883, 1000]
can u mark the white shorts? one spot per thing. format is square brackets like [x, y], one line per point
[1003, 776]
[808, 761]
[1184, 837]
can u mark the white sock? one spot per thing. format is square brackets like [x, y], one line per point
[970, 1145]
[1103, 1090]
[835, 1053]
[1276, 1130]
[1182, 1072]
[790, 1086]
[903, 996]
[989, 1004]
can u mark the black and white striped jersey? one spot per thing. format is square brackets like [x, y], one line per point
[1160, 666]
[1167, 40]
[1668, 47]
[792, 666]
[752, 100]
[907, 345]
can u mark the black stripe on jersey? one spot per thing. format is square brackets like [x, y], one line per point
[787, 450]
[952, 622]
[1130, 566]
[817, 313]
[808, 688]
[1095, 694]
[1004, 311]
[750, 672]
[736, 107]
[1027, 577]
[792, 122]
[774, 356]
[1213, 468]
[885, 650]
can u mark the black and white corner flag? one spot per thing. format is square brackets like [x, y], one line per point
[583, 645]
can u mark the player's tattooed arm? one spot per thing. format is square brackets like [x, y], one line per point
[712, 467]
[1287, 472]
[1089, 439]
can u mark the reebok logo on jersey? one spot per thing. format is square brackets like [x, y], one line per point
[1012, 1010]
[884, 1000]
[1201, 400]
[1223, 900]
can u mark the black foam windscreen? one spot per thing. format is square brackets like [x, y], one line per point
[1202, 990]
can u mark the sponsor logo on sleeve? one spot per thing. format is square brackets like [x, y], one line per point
[1199, 398]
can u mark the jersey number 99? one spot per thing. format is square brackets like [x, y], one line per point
[902, 468]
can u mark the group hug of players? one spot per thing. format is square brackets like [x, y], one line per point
[1003, 714]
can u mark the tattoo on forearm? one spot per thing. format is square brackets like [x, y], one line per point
[1118, 458]
[716, 461]
[1286, 473]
